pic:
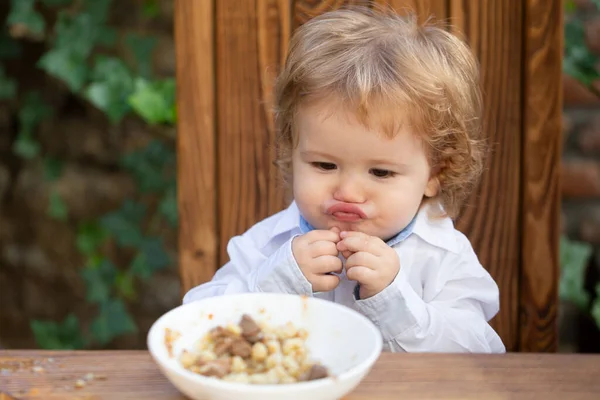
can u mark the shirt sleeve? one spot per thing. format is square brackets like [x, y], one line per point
[455, 319]
[251, 270]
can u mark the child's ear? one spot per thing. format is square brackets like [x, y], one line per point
[433, 187]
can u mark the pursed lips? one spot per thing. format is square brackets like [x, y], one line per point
[346, 212]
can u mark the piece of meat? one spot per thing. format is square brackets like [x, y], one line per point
[223, 345]
[220, 332]
[316, 372]
[241, 347]
[250, 329]
[217, 368]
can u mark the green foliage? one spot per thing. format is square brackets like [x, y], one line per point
[8, 86]
[154, 101]
[573, 261]
[81, 55]
[112, 83]
[58, 336]
[595, 311]
[578, 61]
[23, 14]
[113, 321]
[33, 111]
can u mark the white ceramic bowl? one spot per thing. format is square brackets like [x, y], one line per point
[343, 340]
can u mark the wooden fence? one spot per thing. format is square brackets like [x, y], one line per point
[228, 52]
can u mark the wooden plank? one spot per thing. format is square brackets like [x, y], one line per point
[492, 217]
[252, 37]
[196, 163]
[134, 375]
[436, 9]
[542, 149]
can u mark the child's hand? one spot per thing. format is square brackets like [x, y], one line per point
[372, 263]
[317, 256]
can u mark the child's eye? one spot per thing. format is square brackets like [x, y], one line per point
[324, 166]
[382, 173]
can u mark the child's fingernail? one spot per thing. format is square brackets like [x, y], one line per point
[343, 234]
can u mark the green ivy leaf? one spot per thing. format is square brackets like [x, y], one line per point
[142, 48]
[151, 258]
[125, 285]
[154, 254]
[168, 206]
[50, 335]
[53, 168]
[111, 87]
[112, 321]
[154, 101]
[98, 9]
[26, 147]
[124, 223]
[23, 13]
[573, 260]
[57, 208]
[67, 66]
[151, 166]
[8, 86]
[578, 61]
[76, 35]
[139, 266]
[99, 281]
[90, 236]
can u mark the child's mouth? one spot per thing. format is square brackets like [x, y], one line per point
[346, 212]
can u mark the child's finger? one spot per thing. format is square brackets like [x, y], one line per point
[359, 242]
[360, 274]
[322, 248]
[325, 283]
[326, 264]
[316, 235]
[362, 258]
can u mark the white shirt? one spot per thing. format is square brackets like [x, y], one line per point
[440, 301]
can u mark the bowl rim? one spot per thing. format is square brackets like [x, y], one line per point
[361, 368]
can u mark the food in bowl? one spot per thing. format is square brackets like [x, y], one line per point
[255, 353]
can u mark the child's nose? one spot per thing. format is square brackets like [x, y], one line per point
[349, 190]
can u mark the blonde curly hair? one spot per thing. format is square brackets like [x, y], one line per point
[391, 71]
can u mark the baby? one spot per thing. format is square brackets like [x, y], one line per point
[379, 137]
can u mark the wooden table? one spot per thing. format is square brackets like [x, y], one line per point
[119, 375]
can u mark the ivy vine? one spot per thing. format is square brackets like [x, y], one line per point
[580, 63]
[80, 53]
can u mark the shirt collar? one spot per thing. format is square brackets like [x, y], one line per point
[438, 232]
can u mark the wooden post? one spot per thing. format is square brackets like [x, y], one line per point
[196, 152]
[542, 151]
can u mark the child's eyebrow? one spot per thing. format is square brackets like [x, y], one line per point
[379, 161]
[384, 162]
[311, 153]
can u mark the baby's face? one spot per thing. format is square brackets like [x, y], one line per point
[348, 177]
